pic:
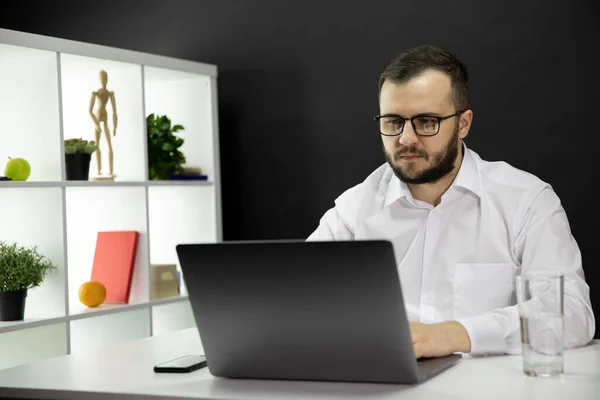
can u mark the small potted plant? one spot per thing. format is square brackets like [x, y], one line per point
[164, 157]
[78, 154]
[21, 268]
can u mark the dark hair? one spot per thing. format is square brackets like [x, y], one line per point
[415, 61]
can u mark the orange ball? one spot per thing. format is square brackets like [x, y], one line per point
[92, 293]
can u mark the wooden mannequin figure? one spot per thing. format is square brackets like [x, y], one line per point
[101, 117]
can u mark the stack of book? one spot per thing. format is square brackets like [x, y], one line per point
[194, 174]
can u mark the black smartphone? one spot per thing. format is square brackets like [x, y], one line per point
[182, 364]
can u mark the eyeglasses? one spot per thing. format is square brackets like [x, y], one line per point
[423, 125]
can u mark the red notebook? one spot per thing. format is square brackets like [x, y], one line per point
[113, 263]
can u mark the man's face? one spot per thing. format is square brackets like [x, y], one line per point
[418, 159]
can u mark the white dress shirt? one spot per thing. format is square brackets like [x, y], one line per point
[458, 260]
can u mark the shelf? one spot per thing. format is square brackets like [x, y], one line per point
[186, 99]
[170, 300]
[179, 183]
[47, 85]
[29, 110]
[11, 326]
[81, 77]
[106, 309]
[80, 311]
[91, 210]
[83, 312]
[167, 206]
[33, 344]
[58, 184]
[34, 217]
[104, 329]
[169, 317]
[26, 41]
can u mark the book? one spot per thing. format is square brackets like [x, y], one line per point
[165, 281]
[189, 177]
[114, 259]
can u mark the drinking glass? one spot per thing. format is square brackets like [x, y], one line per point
[540, 299]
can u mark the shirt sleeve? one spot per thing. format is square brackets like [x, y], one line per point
[331, 227]
[543, 243]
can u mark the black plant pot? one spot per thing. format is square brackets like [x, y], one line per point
[78, 166]
[12, 305]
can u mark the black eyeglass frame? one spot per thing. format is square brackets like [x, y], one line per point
[412, 122]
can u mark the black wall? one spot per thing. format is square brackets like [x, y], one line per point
[298, 89]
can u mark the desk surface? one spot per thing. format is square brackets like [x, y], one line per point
[124, 371]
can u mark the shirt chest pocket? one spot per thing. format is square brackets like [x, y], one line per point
[482, 287]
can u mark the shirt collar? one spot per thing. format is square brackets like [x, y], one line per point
[467, 178]
[468, 174]
[396, 190]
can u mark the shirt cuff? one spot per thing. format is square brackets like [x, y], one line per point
[485, 334]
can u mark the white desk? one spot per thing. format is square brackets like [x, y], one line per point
[124, 371]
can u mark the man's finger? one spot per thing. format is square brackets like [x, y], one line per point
[415, 334]
[416, 338]
[418, 350]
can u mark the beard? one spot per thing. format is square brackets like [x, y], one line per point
[442, 165]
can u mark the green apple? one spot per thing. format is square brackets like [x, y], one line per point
[17, 169]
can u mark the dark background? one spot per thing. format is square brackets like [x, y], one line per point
[298, 90]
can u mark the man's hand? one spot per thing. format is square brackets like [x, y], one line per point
[441, 339]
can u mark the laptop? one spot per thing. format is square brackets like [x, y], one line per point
[303, 310]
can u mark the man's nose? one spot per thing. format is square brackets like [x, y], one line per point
[408, 137]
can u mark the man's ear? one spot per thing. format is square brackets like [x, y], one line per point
[464, 123]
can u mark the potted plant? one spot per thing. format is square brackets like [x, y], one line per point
[164, 157]
[21, 268]
[78, 154]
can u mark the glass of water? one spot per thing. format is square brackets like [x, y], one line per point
[541, 303]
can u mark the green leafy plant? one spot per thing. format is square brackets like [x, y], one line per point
[78, 146]
[164, 157]
[22, 267]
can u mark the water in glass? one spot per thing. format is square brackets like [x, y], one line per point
[542, 340]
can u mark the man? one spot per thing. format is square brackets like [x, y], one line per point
[462, 228]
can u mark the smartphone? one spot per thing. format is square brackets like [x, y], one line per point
[183, 364]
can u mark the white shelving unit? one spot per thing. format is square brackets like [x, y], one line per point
[46, 84]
